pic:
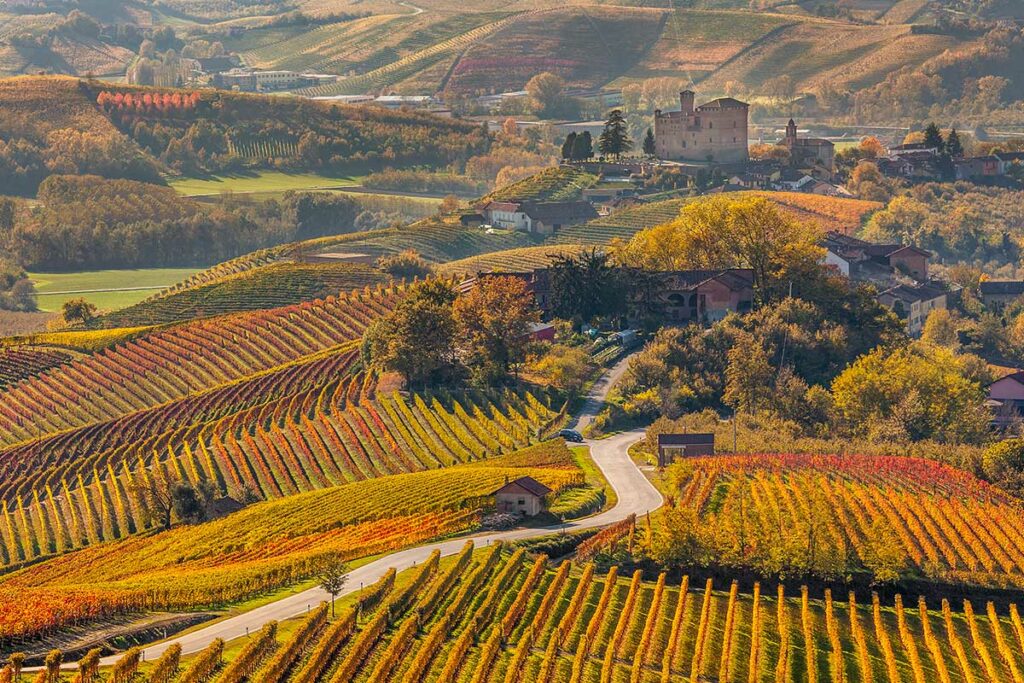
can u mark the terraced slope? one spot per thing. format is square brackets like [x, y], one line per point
[169, 364]
[269, 286]
[512, 260]
[812, 53]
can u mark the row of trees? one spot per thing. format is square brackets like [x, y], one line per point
[436, 335]
[614, 141]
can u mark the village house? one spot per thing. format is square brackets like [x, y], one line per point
[973, 168]
[674, 297]
[713, 132]
[694, 296]
[1006, 398]
[997, 293]
[860, 260]
[523, 496]
[913, 303]
[674, 446]
[543, 218]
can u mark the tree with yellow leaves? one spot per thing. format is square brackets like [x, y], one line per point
[727, 232]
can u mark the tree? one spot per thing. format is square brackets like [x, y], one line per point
[80, 310]
[567, 146]
[566, 368]
[650, 146]
[586, 286]
[450, 204]
[748, 377]
[545, 94]
[1003, 464]
[614, 141]
[728, 232]
[933, 138]
[405, 264]
[940, 329]
[916, 392]
[332, 574]
[159, 490]
[493, 326]
[871, 148]
[16, 661]
[582, 147]
[192, 504]
[416, 338]
[954, 147]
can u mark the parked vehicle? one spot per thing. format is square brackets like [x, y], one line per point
[571, 435]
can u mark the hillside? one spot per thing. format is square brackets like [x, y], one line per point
[270, 286]
[263, 547]
[499, 615]
[829, 213]
[86, 127]
[873, 515]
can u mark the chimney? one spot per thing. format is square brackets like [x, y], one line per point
[686, 101]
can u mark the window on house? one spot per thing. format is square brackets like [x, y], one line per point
[522, 501]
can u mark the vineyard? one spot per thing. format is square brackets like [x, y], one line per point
[832, 515]
[562, 183]
[303, 427]
[264, 546]
[408, 65]
[512, 260]
[269, 286]
[169, 364]
[262, 147]
[498, 617]
[830, 213]
[17, 364]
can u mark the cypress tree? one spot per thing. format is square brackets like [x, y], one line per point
[650, 148]
[614, 141]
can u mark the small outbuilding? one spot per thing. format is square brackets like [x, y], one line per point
[523, 496]
[672, 446]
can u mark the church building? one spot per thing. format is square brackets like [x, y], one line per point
[810, 153]
[713, 132]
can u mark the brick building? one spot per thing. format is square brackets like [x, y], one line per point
[715, 131]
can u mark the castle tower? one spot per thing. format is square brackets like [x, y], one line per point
[686, 99]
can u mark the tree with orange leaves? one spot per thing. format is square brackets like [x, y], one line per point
[493, 326]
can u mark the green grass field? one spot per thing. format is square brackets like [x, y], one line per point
[259, 181]
[108, 289]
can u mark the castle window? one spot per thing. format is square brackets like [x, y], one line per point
[711, 124]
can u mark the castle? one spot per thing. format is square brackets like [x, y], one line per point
[715, 131]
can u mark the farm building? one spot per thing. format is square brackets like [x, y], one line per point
[673, 446]
[523, 496]
[544, 218]
[998, 293]
[698, 296]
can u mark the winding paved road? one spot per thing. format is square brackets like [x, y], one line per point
[636, 495]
